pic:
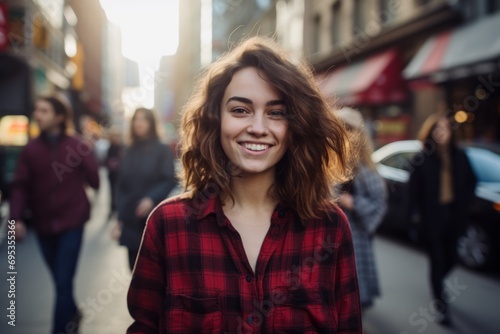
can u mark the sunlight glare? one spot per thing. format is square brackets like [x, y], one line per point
[150, 28]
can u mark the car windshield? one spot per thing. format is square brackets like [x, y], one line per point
[486, 164]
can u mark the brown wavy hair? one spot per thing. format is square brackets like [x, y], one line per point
[318, 146]
[363, 146]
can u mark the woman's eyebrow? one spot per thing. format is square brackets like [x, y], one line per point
[239, 99]
[275, 103]
[248, 101]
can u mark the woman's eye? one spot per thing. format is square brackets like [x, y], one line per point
[238, 110]
[277, 113]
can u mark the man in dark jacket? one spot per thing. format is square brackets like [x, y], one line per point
[52, 172]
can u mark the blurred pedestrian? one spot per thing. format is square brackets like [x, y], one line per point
[441, 188]
[256, 245]
[364, 200]
[52, 173]
[146, 176]
[112, 161]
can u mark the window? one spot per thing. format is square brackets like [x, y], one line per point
[384, 14]
[358, 21]
[335, 23]
[316, 33]
[485, 164]
[473, 9]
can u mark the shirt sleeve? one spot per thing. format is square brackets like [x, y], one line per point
[346, 283]
[146, 293]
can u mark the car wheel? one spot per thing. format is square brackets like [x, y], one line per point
[474, 247]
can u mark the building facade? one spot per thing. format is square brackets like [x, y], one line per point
[91, 30]
[52, 46]
[367, 55]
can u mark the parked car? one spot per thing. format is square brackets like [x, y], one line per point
[478, 247]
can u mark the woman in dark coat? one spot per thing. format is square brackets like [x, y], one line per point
[441, 187]
[146, 177]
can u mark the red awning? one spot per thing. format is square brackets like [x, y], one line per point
[375, 80]
[466, 51]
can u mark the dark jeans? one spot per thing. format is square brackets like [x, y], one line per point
[442, 253]
[113, 178]
[61, 255]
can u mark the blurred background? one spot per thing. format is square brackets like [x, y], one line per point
[397, 61]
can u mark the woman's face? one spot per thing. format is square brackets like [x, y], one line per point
[140, 125]
[253, 123]
[442, 132]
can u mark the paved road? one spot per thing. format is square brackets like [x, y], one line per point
[103, 277]
[406, 305]
[101, 283]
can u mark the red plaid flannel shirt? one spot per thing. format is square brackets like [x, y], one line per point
[192, 274]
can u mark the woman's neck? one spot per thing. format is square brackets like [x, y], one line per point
[443, 149]
[252, 191]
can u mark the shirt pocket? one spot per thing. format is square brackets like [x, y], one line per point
[193, 313]
[305, 308]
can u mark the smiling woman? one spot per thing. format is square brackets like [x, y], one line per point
[259, 147]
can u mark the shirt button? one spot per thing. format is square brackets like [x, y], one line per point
[281, 213]
[249, 278]
[250, 319]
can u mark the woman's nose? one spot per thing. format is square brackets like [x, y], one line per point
[258, 126]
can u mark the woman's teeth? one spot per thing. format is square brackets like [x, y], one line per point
[255, 147]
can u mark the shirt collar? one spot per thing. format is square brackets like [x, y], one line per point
[205, 206]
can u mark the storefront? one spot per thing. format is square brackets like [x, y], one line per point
[15, 107]
[376, 88]
[459, 71]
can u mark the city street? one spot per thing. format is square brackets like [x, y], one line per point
[103, 278]
[101, 284]
[406, 305]
[259, 94]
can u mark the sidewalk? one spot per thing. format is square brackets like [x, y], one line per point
[101, 283]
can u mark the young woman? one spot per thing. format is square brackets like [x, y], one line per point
[441, 187]
[145, 178]
[364, 201]
[256, 244]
